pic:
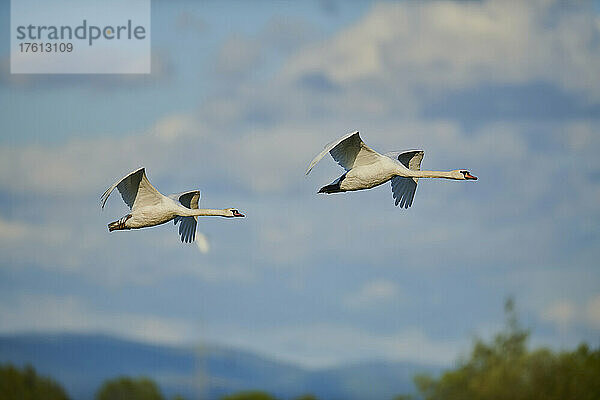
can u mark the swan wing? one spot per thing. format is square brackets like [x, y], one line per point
[404, 188]
[187, 199]
[411, 159]
[348, 151]
[135, 190]
[187, 228]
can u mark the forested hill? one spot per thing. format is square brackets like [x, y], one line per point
[82, 362]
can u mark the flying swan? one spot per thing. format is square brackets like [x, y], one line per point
[366, 168]
[149, 207]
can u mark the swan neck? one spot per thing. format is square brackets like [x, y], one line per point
[207, 212]
[433, 174]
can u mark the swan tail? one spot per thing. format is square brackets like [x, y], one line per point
[119, 224]
[334, 187]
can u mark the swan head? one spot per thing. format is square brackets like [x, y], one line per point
[233, 212]
[463, 174]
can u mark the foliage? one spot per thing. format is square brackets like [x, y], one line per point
[126, 388]
[26, 384]
[504, 369]
[249, 395]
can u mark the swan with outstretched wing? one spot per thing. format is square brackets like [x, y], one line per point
[149, 207]
[366, 168]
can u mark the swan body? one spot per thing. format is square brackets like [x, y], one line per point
[366, 168]
[149, 207]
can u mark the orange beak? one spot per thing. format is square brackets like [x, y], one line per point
[469, 176]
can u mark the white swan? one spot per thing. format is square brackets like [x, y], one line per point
[149, 207]
[366, 168]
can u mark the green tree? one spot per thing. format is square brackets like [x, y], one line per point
[504, 369]
[126, 388]
[249, 395]
[26, 384]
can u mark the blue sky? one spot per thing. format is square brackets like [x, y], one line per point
[241, 97]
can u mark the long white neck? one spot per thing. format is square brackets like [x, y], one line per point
[205, 212]
[431, 174]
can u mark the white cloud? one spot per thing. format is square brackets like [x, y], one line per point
[315, 345]
[50, 313]
[561, 313]
[239, 56]
[70, 241]
[593, 312]
[85, 165]
[179, 147]
[566, 313]
[445, 45]
[160, 67]
[326, 344]
[173, 127]
[41, 243]
[373, 293]
[244, 56]
[581, 136]
[202, 243]
[11, 230]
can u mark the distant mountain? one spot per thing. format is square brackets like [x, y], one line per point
[82, 362]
